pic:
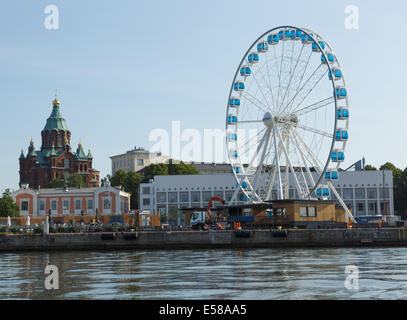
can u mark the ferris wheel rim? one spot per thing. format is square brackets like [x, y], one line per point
[316, 38]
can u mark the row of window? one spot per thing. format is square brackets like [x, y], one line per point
[119, 164]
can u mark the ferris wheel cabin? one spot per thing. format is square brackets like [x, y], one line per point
[337, 155]
[343, 113]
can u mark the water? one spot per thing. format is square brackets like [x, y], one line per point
[207, 274]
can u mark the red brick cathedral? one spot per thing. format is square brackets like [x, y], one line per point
[56, 160]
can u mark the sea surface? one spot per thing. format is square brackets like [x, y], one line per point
[208, 274]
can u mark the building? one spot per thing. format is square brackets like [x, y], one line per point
[212, 168]
[136, 160]
[71, 201]
[55, 159]
[366, 193]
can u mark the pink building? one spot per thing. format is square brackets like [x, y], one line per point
[71, 201]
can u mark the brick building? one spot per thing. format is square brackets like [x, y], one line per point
[56, 159]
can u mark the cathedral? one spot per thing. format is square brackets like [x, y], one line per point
[56, 159]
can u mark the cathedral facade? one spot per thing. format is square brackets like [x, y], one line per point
[56, 159]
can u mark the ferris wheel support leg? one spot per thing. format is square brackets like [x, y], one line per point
[273, 177]
[256, 180]
[338, 197]
[290, 165]
[280, 186]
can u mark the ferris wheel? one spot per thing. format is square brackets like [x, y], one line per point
[287, 118]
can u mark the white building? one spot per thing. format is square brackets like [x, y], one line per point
[362, 191]
[136, 160]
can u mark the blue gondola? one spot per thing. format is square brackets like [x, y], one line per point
[331, 58]
[245, 71]
[340, 92]
[343, 113]
[337, 156]
[238, 170]
[244, 185]
[306, 39]
[234, 154]
[253, 58]
[298, 34]
[232, 137]
[238, 86]
[262, 46]
[337, 74]
[322, 192]
[281, 35]
[341, 135]
[331, 175]
[232, 119]
[315, 47]
[234, 102]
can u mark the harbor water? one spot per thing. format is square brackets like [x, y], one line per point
[254, 274]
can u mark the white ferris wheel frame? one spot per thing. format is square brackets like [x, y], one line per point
[273, 133]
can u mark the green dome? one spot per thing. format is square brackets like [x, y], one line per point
[55, 120]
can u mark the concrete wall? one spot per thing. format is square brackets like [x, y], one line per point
[210, 239]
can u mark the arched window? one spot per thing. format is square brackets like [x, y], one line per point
[66, 163]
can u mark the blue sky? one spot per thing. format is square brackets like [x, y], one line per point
[123, 68]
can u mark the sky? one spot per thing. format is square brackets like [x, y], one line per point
[125, 68]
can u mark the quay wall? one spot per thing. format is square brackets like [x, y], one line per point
[204, 239]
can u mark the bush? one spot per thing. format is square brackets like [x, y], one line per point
[37, 230]
[72, 229]
[14, 229]
[109, 229]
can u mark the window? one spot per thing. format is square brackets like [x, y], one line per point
[146, 201]
[90, 204]
[77, 204]
[348, 193]
[228, 195]
[65, 205]
[140, 162]
[66, 163]
[371, 193]
[42, 205]
[53, 205]
[360, 193]
[106, 204]
[206, 196]
[310, 212]
[184, 197]
[172, 197]
[146, 190]
[386, 193]
[195, 196]
[161, 197]
[24, 205]
[360, 207]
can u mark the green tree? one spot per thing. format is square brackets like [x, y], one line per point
[399, 186]
[181, 168]
[118, 179]
[160, 169]
[56, 183]
[7, 205]
[76, 180]
[131, 185]
[369, 167]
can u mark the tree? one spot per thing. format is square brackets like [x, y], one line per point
[160, 169]
[369, 167]
[130, 183]
[74, 180]
[7, 205]
[399, 186]
[118, 179]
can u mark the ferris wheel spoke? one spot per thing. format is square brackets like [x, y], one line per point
[298, 91]
[267, 84]
[259, 147]
[291, 77]
[316, 162]
[262, 93]
[238, 149]
[274, 172]
[307, 169]
[313, 130]
[250, 121]
[306, 190]
[310, 90]
[254, 101]
[315, 106]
